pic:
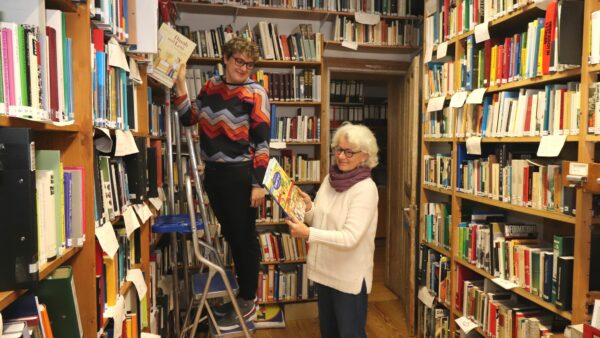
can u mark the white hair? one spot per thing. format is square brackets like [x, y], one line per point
[361, 138]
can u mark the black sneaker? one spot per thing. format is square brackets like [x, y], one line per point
[231, 322]
[226, 308]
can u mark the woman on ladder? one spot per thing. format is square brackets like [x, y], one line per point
[233, 113]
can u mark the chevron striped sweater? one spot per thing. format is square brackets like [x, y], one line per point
[234, 123]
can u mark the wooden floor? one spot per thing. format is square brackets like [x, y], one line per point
[385, 316]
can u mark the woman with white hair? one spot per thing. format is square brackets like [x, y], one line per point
[341, 236]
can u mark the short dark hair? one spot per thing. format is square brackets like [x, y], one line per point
[242, 46]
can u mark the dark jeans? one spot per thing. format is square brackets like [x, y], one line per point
[342, 315]
[229, 188]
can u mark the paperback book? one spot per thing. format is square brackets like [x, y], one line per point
[284, 191]
[174, 49]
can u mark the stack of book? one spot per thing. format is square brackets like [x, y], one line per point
[384, 33]
[438, 170]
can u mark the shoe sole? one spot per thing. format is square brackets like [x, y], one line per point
[249, 317]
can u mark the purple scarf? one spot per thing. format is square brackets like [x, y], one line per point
[342, 181]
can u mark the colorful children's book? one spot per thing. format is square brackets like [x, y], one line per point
[174, 49]
[269, 316]
[283, 190]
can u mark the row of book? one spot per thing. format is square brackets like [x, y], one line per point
[159, 290]
[195, 78]
[438, 170]
[300, 128]
[284, 283]
[517, 178]
[451, 18]
[304, 85]
[281, 247]
[113, 16]
[525, 55]
[594, 56]
[440, 79]
[49, 311]
[384, 7]
[123, 182]
[437, 219]
[114, 102]
[435, 274]
[299, 167]
[36, 70]
[340, 114]
[500, 314]
[301, 45]
[434, 322]
[112, 271]
[156, 120]
[346, 91]
[554, 110]
[384, 33]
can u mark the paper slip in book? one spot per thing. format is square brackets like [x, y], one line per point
[283, 190]
[174, 50]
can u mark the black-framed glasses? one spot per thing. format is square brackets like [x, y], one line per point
[239, 62]
[347, 152]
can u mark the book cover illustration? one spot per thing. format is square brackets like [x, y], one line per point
[174, 49]
[283, 190]
[269, 316]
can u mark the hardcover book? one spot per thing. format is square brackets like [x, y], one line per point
[284, 191]
[174, 49]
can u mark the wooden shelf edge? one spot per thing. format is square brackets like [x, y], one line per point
[437, 248]
[63, 5]
[524, 210]
[10, 121]
[296, 261]
[296, 103]
[516, 139]
[594, 68]
[49, 267]
[536, 81]
[269, 223]
[198, 59]
[287, 301]
[332, 44]
[438, 139]
[518, 290]
[268, 9]
[437, 189]
[7, 297]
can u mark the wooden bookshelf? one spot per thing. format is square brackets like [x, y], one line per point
[269, 223]
[553, 222]
[62, 5]
[518, 290]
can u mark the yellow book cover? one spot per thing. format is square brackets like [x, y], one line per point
[174, 50]
[283, 190]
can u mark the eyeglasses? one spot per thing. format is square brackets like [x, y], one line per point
[240, 63]
[347, 152]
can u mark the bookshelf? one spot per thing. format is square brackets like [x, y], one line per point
[579, 147]
[76, 143]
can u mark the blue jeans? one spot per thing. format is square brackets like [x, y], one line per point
[342, 315]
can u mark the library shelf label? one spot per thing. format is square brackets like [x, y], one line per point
[458, 99]
[482, 32]
[131, 220]
[366, 18]
[507, 285]
[465, 324]
[476, 96]
[442, 50]
[107, 239]
[578, 169]
[551, 145]
[426, 297]
[435, 103]
[137, 278]
[474, 145]
[350, 44]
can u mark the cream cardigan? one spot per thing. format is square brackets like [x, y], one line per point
[342, 236]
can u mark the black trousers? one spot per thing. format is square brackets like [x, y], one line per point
[229, 189]
[342, 315]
